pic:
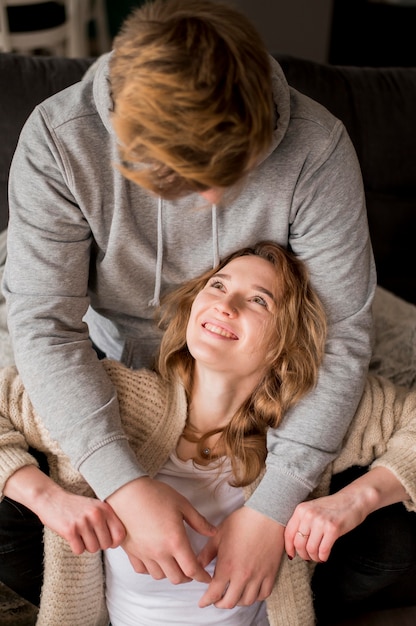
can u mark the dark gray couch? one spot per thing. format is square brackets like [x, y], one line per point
[377, 106]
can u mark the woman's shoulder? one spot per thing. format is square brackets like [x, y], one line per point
[133, 381]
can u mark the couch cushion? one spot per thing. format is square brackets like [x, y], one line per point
[394, 351]
[24, 82]
[378, 108]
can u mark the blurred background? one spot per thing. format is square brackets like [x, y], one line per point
[345, 32]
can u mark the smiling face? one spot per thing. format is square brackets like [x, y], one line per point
[231, 318]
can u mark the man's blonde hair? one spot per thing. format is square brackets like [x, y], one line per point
[191, 83]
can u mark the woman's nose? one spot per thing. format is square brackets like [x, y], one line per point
[228, 306]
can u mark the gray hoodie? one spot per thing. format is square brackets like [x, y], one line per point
[87, 245]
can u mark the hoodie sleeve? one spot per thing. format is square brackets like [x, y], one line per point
[328, 231]
[46, 287]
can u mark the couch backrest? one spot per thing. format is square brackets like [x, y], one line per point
[24, 82]
[376, 105]
[378, 108]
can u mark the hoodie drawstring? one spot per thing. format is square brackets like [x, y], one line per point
[215, 248]
[155, 301]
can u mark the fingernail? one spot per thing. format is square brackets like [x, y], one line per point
[290, 557]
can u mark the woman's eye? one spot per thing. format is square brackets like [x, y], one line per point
[261, 301]
[216, 284]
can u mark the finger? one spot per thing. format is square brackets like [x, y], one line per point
[256, 591]
[118, 533]
[99, 538]
[266, 589]
[289, 536]
[91, 542]
[173, 572]
[197, 521]
[231, 596]
[325, 547]
[214, 593]
[185, 558]
[250, 595]
[82, 537]
[318, 545]
[114, 526]
[154, 570]
[77, 545]
[312, 546]
[208, 552]
[110, 532]
[191, 568]
[289, 544]
[300, 542]
[137, 564]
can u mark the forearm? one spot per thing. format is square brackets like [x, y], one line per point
[374, 490]
[32, 488]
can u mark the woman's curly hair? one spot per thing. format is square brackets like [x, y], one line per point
[296, 349]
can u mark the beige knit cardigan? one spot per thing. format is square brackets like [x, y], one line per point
[153, 415]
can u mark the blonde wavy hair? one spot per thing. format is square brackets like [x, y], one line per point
[191, 83]
[297, 344]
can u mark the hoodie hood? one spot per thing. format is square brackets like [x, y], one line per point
[281, 100]
[99, 73]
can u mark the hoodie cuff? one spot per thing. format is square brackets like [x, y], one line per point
[277, 495]
[110, 467]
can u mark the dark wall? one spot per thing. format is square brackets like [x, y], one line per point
[373, 33]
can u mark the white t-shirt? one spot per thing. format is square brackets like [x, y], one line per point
[139, 600]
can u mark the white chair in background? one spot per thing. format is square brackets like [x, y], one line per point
[70, 38]
[83, 12]
[54, 39]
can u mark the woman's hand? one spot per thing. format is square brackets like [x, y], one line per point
[316, 524]
[86, 523]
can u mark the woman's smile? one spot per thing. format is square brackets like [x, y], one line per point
[219, 330]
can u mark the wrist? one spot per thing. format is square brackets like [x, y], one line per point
[31, 487]
[137, 485]
[375, 489]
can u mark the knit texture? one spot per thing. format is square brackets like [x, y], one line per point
[153, 415]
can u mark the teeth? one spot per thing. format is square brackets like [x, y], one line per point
[219, 331]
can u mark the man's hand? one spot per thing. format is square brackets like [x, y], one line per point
[157, 544]
[249, 547]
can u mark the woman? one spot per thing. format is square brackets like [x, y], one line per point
[242, 345]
